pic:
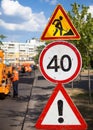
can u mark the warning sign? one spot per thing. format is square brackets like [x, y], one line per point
[61, 113]
[60, 27]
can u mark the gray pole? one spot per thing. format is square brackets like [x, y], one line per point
[89, 85]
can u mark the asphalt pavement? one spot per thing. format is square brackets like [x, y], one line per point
[13, 110]
[42, 89]
[23, 112]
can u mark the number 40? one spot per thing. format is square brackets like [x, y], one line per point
[56, 66]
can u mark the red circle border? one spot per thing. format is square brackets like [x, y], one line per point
[78, 58]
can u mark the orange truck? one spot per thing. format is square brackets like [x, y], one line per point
[5, 81]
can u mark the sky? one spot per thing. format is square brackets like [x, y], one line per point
[22, 20]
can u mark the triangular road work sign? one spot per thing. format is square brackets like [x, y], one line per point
[60, 113]
[60, 27]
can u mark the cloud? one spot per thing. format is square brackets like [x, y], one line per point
[0, 13]
[90, 10]
[53, 2]
[13, 8]
[29, 21]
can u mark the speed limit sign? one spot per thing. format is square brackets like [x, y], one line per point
[60, 62]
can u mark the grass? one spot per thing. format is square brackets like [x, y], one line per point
[81, 99]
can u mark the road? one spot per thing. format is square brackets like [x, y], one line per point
[22, 113]
[13, 111]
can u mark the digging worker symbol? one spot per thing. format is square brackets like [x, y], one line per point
[58, 25]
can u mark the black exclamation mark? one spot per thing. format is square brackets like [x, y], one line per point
[60, 111]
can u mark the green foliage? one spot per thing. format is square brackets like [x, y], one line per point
[83, 22]
[1, 38]
[39, 49]
[47, 42]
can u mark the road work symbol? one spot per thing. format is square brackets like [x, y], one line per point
[58, 25]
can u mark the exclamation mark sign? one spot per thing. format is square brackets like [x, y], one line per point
[60, 111]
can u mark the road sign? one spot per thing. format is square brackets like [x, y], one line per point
[60, 62]
[60, 27]
[60, 113]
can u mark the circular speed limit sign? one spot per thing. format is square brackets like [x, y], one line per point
[60, 62]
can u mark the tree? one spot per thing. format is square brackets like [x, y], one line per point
[83, 22]
[39, 49]
[1, 38]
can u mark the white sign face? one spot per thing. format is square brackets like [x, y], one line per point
[60, 62]
[69, 117]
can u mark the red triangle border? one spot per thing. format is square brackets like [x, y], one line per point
[39, 125]
[72, 37]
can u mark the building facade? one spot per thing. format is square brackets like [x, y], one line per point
[19, 53]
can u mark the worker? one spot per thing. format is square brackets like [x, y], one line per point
[15, 80]
[9, 76]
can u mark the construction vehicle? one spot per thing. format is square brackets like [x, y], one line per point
[5, 81]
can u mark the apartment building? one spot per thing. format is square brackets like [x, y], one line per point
[18, 53]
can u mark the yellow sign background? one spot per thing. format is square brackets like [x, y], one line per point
[64, 23]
